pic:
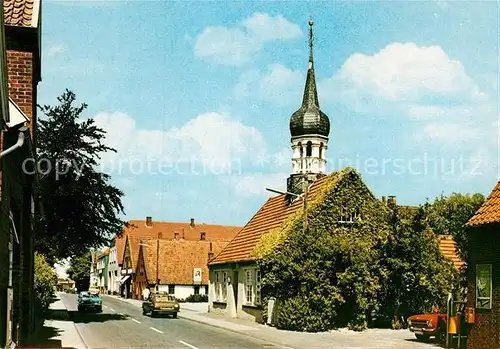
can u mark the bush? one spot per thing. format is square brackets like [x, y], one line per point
[196, 298]
[45, 284]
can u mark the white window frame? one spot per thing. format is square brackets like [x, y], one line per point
[249, 286]
[217, 289]
[220, 285]
[253, 283]
[490, 296]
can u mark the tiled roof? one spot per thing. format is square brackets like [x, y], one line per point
[489, 212]
[120, 247]
[133, 245]
[177, 260]
[138, 230]
[270, 216]
[23, 13]
[448, 248]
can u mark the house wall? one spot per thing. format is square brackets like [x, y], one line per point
[484, 247]
[235, 304]
[114, 272]
[182, 291]
[16, 186]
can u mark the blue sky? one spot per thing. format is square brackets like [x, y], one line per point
[196, 96]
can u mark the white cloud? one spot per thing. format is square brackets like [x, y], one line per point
[256, 184]
[54, 49]
[451, 133]
[210, 138]
[404, 73]
[277, 84]
[236, 45]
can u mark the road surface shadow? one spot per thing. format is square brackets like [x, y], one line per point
[56, 314]
[86, 317]
[44, 339]
[432, 342]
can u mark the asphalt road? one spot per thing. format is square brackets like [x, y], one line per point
[122, 325]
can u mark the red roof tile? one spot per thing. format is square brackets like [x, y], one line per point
[22, 13]
[138, 230]
[177, 260]
[489, 212]
[448, 247]
[270, 216]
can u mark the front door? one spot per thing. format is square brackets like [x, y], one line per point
[235, 288]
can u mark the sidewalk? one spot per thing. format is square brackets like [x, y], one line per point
[58, 330]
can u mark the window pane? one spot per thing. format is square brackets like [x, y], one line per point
[483, 286]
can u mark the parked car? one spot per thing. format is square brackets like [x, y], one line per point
[428, 325]
[89, 301]
[159, 304]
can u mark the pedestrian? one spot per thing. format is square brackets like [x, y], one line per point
[145, 293]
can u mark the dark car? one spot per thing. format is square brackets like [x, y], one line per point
[89, 301]
[160, 304]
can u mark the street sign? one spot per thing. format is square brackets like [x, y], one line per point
[197, 275]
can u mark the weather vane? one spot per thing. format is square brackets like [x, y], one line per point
[311, 38]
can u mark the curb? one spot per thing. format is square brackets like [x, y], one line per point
[76, 327]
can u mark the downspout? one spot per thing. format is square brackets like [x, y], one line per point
[19, 143]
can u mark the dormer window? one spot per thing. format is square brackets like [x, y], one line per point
[349, 217]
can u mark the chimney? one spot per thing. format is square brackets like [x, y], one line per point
[202, 235]
[149, 221]
[391, 199]
[383, 199]
[192, 223]
[210, 253]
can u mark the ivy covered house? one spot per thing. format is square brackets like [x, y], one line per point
[336, 202]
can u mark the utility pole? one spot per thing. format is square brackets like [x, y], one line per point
[157, 264]
[305, 187]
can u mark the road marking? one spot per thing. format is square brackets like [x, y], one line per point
[105, 307]
[136, 321]
[112, 309]
[154, 329]
[188, 345]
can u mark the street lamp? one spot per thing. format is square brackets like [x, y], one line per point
[303, 196]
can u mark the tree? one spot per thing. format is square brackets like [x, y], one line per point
[45, 282]
[81, 207]
[79, 270]
[448, 215]
[418, 275]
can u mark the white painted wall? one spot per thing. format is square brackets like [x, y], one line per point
[115, 270]
[182, 291]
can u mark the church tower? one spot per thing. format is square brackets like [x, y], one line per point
[309, 129]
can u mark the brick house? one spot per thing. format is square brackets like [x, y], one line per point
[484, 274]
[20, 23]
[140, 230]
[182, 266]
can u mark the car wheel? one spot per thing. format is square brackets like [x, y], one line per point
[422, 337]
[144, 312]
[99, 309]
[174, 315]
[153, 314]
[441, 337]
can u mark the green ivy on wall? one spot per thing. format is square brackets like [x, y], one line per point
[335, 274]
